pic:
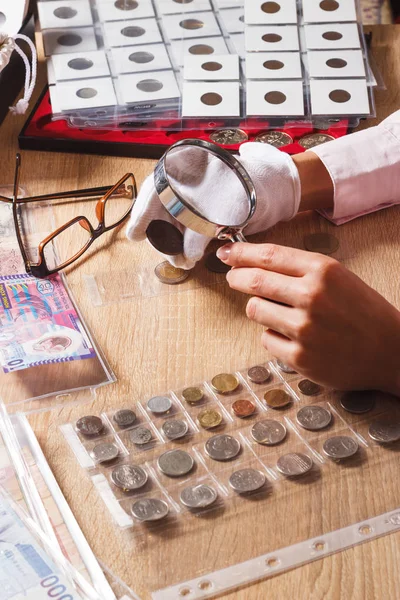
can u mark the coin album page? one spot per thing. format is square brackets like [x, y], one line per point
[205, 63]
[260, 446]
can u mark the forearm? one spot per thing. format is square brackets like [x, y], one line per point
[316, 183]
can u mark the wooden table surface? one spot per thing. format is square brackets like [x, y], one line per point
[158, 343]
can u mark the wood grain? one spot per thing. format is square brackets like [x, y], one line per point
[181, 337]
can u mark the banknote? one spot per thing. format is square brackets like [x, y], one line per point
[39, 324]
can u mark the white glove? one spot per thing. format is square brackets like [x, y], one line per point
[219, 195]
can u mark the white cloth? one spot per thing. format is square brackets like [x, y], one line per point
[218, 194]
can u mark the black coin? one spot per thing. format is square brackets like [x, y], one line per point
[165, 237]
[214, 264]
[124, 417]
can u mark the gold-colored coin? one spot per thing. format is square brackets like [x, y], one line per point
[225, 383]
[274, 138]
[324, 243]
[277, 398]
[193, 394]
[315, 139]
[166, 273]
[209, 418]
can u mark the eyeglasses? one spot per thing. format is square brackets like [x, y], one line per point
[77, 235]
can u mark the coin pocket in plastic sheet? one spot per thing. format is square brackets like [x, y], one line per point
[306, 390]
[177, 464]
[261, 376]
[284, 371]
[161, 406]
[381, 430]
[141, 439]
[277, 398]
[108, 451]
[176, 428]
[199, 496]
[129, 478]
[106, 428]
[342, 447]
[244, 478]
[221, 447]
[126, 417]
[357, 406]
[200, 403]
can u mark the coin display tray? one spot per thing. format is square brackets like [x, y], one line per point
[142, 48]
[251, 455]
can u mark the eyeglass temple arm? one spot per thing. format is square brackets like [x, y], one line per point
[14, 210]
[78, 194]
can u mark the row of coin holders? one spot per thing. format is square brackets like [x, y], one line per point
[138, 86]
[216, 474]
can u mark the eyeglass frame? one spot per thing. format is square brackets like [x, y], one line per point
[40, 269]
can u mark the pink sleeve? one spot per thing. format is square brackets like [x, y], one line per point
[365, 170]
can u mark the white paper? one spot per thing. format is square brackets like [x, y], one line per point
[255, 15]
[263, 38]
[202, 46]
[194, 106]
[12, 16]
[218, 68]
[80, 65]
[150, 57]
[257, 105]
[170, 7]
[147, 87]
[232, 20]
[342, 63]
[195, 25]
[58, 41]
[65, 14]
[321, 103]
[131, 32]
[110, 11]
[347, 34]
[273, 65]
[313, 11]
[85, 93]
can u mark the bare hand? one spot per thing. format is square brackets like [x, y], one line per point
[329, 325]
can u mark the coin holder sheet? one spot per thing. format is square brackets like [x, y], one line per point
[332, 37]
[202, 24]
[273, 65]
[65, 13]
[58, 41]
[346, 63]
[168, 7]
[233, 20]
[206, 46]
[202, 401]
[150, 57]
[272, 13]
[147, 87]
[339, 97]
[315, 11]
[277, 98]
[261, 38]
[79, 66]
[218, 68]
[114, 11]
[84, 93]
[131, 32]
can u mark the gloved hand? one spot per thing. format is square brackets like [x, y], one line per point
[219, 195]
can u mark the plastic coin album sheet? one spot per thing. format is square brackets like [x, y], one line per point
[211, 62]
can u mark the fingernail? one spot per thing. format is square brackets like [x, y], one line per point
[224, 252]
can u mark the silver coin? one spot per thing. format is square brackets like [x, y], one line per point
[159, 404]
[129, 477]
[198, 496]
[244, 481]
[294, 464]
[314, 418]
[104, 452]
[141, 436]
[222, 447]
[258, 374]
[229, 137]
[175, 463]
[309, 388]
[384, 432]
[340, 446]
[175, 429]
[90, 425]
[268, 432]
[149, 509]
[283, 367]
[124, 417]
[358, 402]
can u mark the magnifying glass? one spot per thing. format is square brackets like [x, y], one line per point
[179, 179]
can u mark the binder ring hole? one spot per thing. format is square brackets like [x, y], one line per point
[275, 97]
[365, 529]
[201, 49]
[319, 546]
[149, 85]
[3, 18]
[339, 96]
[270, 7]
[141, 57]
[336, 63]
[205, 585]
[65, 12]
[191, 24]
[126, 4]
[132, 31]
[329, 5]
[272, 563]
[273, 65]
[332, 36]
[69, 39]
[80, 64]
[185, 591]
[272, 38]
[211, 99]
[211, 66]
[86, 93]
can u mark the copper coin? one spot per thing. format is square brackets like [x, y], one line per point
[277, 398]
[309, 388]
[314, 139]
[243, 408]
[166, 273]
[258, 374]
[324, 243]
[90, 425]
[274, 138]
[215, 265]
[165, 237]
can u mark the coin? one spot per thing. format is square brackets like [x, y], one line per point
[268, 432]
[209, 418]
[384, 432]
[294, 464]
[229, 137]
[175, 463]
[193, 394]
[314, 418]
[141, 436]
[275, 138]
[258, 374]
[309, 388]
[324, 243]
[358, 402]
[243, 408]
[166, 273]
[225, 383]
[159, 404]
[340, 446]
[198, 496]
[222, 447]
[149, 509]
[129, 477]
[283, 367]
[244, 481]
[314, 139]
[90, 425]
[214, 264]
[104, 452]
[165, 237]
[175, 429]
[277, 398]
[124, 417]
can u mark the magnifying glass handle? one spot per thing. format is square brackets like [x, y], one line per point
[237, 237]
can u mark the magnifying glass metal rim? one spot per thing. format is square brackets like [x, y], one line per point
[177, 206]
